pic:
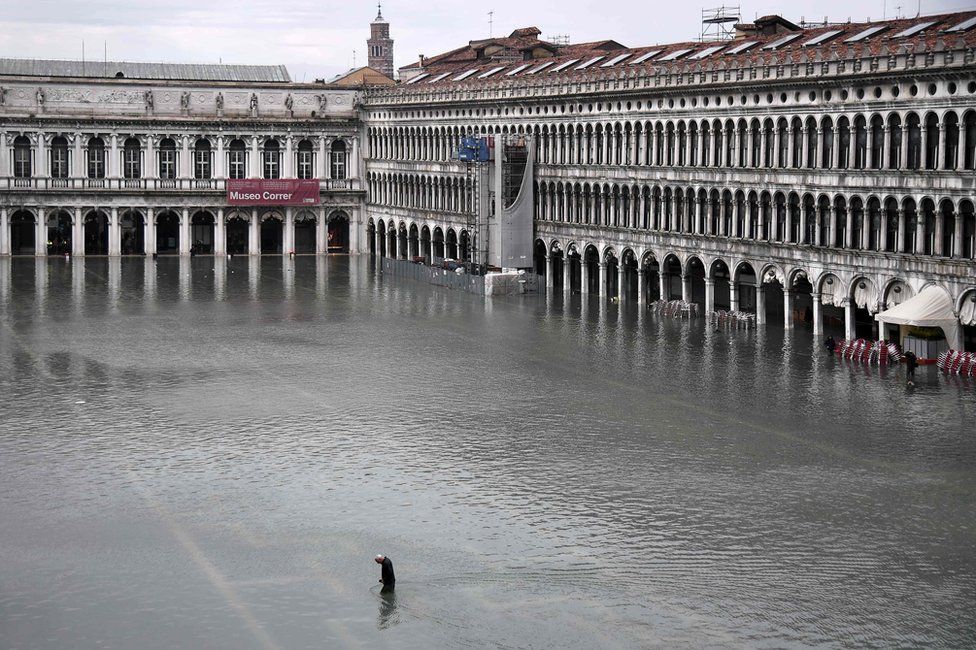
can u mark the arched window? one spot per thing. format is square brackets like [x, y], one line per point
[22, 157]
[202, 160]
[59, 157]
[131, 158]
[271, 159]
[96, 158]
[306, 160]
[237, 159]
[338, 159]
[167, 159]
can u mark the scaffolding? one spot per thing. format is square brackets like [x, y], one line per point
[718, 24]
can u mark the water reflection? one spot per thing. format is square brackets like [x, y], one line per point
[389, 615]
[553, 470]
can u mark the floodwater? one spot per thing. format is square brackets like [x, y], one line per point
[208, 454]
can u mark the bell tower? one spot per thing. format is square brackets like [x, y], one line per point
[380, 45]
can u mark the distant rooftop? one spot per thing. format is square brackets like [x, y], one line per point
[131, 70]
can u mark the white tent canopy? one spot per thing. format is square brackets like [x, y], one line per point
[932, 307]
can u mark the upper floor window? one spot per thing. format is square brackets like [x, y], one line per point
[272, 159]
[167, 159]
[202, 157]
[59, 157]
[306, 160]
[237, 159]
[338, 159]
[132, 158]
[96, 158]
[22, 157]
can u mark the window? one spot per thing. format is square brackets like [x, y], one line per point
[167, 159]
[131, 158]
[338, 159]
[820, 38]
[867, 33]
[96, 158]
[306, 160]
[59, 158]
[743, 47]
[22, 157]
[914, 29]
[781, 42]
[237, 157]
[645, 56]
[271, 159]
[202, 160]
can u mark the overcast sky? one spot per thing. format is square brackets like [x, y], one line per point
[316, 38]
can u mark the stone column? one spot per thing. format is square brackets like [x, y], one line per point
[42, 168]
[220, 234]
[550, 271]
[817, 318]
[900, 245]
[869, 152]
[288, 164]
[904, 143]
[760, 303]
[709, 295]
[584, 276]
[185, 232]
[185, 167]
[149, 232]
[113, 161]
[777, 143]
[603, 279]
[733, 295]
[641, 285]
[114, 233]
[77, 234]
[835, 151]
[149, 167]
[940, 154]
[621, 282]
[4, 226]
[255, 158]
[321, 244]
[254, 234]
[802, 235]
[956, 236]
[288, 236]
[40, 234]
[220, 160]
[322, 161]
[567, 272]
[686, 287]
[939, 231]
[848, 319]
[787, 308]
[919, 234]
[662, 289]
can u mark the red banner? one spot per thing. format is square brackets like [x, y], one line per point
[284, 191]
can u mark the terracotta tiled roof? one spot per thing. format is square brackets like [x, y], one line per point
[443, 70]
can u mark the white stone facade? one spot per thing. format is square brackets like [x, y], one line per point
[101, 166]
[841, 184]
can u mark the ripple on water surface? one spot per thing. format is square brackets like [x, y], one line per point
[208, 453]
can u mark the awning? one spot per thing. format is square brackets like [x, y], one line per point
[932, 307]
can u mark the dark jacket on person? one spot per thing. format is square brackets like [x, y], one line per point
[387, 572]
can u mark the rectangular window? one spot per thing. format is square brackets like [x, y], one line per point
[305, 164]
[201, 165]
[238, 164]
[339, 165]
[271, 165]
[96, 163]
[59, 162]
[22, 162]
[131, 162]
[167, 164]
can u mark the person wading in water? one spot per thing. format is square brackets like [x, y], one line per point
[387, 577]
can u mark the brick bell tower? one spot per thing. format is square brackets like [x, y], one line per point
[380, 45]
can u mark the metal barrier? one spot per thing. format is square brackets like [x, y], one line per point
[437, 276]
